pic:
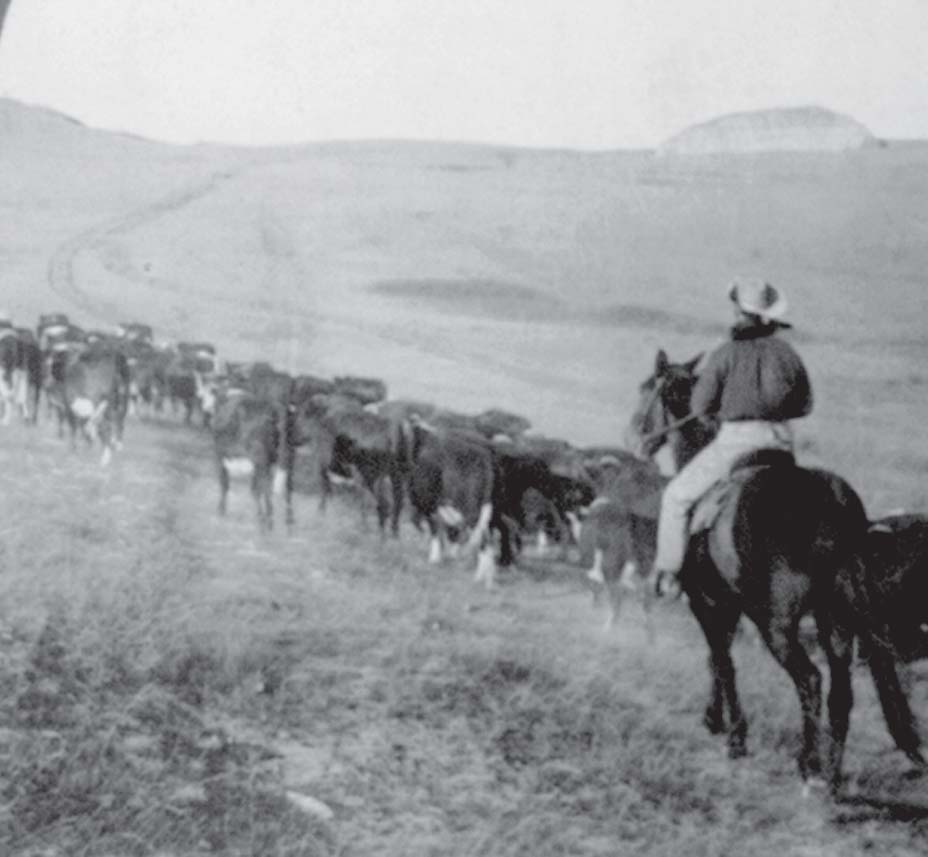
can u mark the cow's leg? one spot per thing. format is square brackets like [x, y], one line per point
[268, 494]
[325, 487]
[595, 573]
[73, 427]
[36, 396]
[105, 431]
[508, 535]
[223, 486]
[486, 564]
[435, 541]
[258, 490]
[383, 504]
[288, 498]
[21, 393]
[135, 396]
[396, 488]
[482, 527]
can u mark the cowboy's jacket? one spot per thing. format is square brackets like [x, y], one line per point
[756, 375]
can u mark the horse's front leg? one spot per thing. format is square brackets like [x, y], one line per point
[723, 713]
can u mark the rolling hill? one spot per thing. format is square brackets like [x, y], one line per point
[482, 275]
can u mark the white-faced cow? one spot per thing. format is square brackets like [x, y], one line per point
[94, 394]
[451, 484]
[248, 437]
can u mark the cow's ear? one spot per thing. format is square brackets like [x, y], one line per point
[661, 363]
[691, 365]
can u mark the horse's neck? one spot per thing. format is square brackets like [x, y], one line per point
[687, 442]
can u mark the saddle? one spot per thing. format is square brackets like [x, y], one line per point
[709, 507]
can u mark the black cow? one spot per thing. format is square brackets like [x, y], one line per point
[450, 479]
[529, 495]
[182, 392]
[897, 559]
[354, 444]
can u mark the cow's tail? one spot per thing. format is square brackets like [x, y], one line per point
[882, 658]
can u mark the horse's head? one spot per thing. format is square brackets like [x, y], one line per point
[664, 400]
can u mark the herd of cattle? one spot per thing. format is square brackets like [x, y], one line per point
[480, 481]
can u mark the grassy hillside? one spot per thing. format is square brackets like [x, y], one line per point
[480, 276]
[170, 684]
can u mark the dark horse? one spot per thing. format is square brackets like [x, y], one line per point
[790, 541]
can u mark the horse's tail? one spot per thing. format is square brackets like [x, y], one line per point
[882, 658]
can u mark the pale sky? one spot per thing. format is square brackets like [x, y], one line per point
[570, 73]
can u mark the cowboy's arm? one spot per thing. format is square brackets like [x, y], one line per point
[801, 393]
[706, 398]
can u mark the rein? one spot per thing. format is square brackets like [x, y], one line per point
[670, 427]
[667, 429]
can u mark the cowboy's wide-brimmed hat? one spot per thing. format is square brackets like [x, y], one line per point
[757, 297]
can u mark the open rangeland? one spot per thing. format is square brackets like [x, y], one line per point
[172, 683]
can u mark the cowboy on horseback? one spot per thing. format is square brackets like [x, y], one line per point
[751, 386]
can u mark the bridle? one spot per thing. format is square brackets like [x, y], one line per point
[670, 426]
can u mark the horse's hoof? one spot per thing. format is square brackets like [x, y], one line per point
[714, 722]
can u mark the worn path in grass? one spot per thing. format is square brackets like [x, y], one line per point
[428, 715]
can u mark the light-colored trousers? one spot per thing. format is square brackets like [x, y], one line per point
[708, 467]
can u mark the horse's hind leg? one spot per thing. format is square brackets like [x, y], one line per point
[782, 638]
[836, 636]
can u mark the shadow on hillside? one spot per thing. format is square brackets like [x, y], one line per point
[471, 296]
[503, 300]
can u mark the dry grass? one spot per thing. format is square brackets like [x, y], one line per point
[168, 678]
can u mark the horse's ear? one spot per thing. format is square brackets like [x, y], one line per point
[691, 365]
[661, 363]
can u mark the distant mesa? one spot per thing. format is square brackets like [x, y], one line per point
[789, 129]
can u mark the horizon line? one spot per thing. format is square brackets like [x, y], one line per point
[482, 144]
